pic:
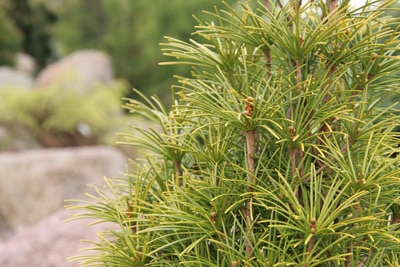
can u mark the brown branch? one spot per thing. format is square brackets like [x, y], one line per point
[299, 75]
[250, 140]
[299, 156]
[311, 244]
[347, 262]
[267, 55]
[298, 5]
[178, 172]
[292, 159]
[267, 4]
[296, 156]
[332, 4]
[295, 159]
[250, 143]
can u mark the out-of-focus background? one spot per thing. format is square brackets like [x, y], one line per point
[65, 65]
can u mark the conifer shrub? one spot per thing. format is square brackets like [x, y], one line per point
[275, 152]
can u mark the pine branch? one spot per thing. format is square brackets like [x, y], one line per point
[250, 148]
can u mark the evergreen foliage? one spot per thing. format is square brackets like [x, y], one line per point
[276, 151]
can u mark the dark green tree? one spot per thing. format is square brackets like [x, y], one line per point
[276, 151]
[34, 22]
[10, 40]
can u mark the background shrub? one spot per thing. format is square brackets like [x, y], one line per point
[57, 117]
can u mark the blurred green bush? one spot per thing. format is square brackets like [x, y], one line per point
[56, 118]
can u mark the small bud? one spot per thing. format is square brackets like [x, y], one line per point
[313, 223]
[234, 264]
[249, 100]
[213, 216]
[128, 213]
[249, 106]
[246, 113]
[292, 132]
[301, 40]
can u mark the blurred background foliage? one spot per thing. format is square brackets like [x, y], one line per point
[56, 118]
[28, 27]
[129, 31]
[10, 38]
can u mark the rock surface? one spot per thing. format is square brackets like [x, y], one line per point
[25, 63]
[49, 243]
[79, 71]
[12, 78]
[35, 183]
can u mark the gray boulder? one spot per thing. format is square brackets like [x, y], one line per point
[49, 243]
[35, 183]
[25, 63]
[79, 71]
[14, 79]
